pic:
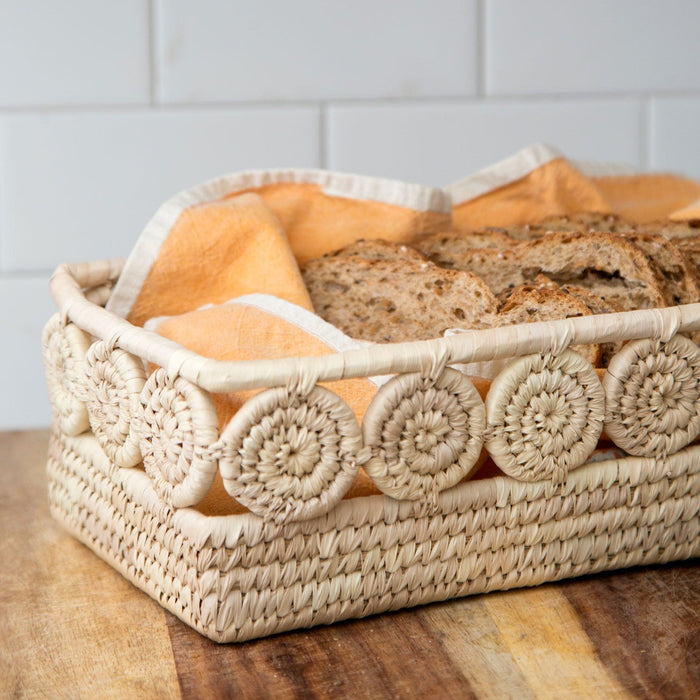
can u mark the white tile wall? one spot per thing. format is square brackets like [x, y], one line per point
[675, 135]
[568, 46]
[98, 177]
[313, 49]
[25, 308]
[73, 52]
[439, 143]
[108, 108]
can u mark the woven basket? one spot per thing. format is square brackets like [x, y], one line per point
[132, 455]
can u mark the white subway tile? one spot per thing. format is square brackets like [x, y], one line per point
[26, 306]
[565, 46]
[73, 52]
[438, 143]
[82, 186]
[675, 135]
[311, 49]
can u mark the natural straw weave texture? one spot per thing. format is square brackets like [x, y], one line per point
[297, 553]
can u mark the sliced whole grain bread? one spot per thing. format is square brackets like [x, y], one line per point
[440, 247]
[584, 222]
[690, 249]
[675, 230]
[396, 300]
[677, 276]
[607, 264]
[544, 302]
[379, 249]
[598, 305]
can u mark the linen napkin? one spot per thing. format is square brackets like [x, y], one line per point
[540, 181]
[245, 233]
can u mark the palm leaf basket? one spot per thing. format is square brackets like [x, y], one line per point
[132, 455]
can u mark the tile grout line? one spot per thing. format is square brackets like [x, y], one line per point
[466, 100]
[480, 49]
[152, 62]
[322, 135]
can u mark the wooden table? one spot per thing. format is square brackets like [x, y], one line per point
[72, 627]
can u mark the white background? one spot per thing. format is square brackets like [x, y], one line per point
[108, 108]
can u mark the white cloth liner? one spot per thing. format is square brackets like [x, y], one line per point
[145, 252]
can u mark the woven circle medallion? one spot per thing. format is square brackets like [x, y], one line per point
[288, 457]
[114, 379]
[63, 350]
[179, 428]
[425, 435]
[653, 396]
[544, 415]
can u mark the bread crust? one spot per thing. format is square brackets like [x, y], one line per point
[379, 249]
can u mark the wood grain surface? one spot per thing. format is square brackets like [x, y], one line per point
[71, 627]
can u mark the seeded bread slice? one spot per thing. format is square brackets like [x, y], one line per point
[441, 246]
[676, 275]
[598, 305]
[675, 230]
[690, 249]
[585, 222]
[396, 300]
[544, 302]
[607, 264]
[379, 249]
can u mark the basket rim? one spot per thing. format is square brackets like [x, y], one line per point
[71, 285]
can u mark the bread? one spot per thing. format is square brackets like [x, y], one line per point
[401, 300]
[598, 305]
[544, 302]
[690, 248]
[607, 264]
[379, 249]
[396, 300]
[676, 274]
[584, 222]
[440, 247]
[674, 230]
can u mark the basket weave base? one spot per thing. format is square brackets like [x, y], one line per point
[236, 578]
